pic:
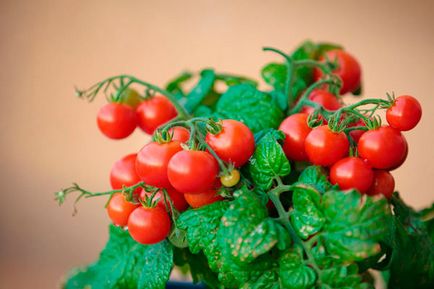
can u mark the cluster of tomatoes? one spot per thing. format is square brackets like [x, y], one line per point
[178, 176]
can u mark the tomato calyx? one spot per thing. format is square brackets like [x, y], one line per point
[214, 127]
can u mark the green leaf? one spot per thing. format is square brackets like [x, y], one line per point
[126, 264]
[306, 217]
[412, 264]
[231, 80]
[201, 90]
[344, 277]
[201, 226]
[255, 108]
[294, 274]
[274, 74]
[175, 85]
[355, 224]
[268, 161]
[314, 177]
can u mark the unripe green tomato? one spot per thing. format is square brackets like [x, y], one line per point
[231, 179]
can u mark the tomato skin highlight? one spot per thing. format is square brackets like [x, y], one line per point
[178, 199]
[180, 134]
[325, 147]
[383, 183]
[192, 172]
[235, 143]
[119, 209]
[202, 199]
[324, 98]
[154, 112]
[152, 162]
[352, 172]
[149, 225]
[405, 113]
[348, 70]
[296, 130]
[116, 120]
[384, 148]
[123, 173]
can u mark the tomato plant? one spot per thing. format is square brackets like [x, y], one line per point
[149, 225]
[230, 179]
[177, 199]
[116, 120]
[153, 112]
[119, 209]
[296, 130]
[324, 98]
[179, 133]
[352, 172]
[405, 113]
[123, 173]
[229, 137]
[202, 199]
[383, 183]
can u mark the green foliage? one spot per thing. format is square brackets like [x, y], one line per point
[201, 90]
[255, 108]
[268, 161]
[126, 264]
[294, 273]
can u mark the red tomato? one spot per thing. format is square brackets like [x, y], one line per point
[192, 172]
[116, 120]
[296, 130]
[124, 173]
[180, 134]
[325, 147]
[352, 172]
[384, 183]
[152, 161]
[177, 198]
[405, 113]
[154, 112]
[149, 225]
[234, 144]
[348, 69]
[356, 134]
[384, 148]
[202, 199]
[326, 99]
[119, 209]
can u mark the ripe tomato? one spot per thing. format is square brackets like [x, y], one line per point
[384, 148]
[384, 183]
[296, 130]
[119, 209]
[405, 113]
[326, 99]
[153, 112]
[131, 97]
[356, 134]
[202, 199]
[124, 173]
[192, 172]
[177, 198]
[230, 179]
[352, 172]
[116, 120]
[149, 225]
[180, 134]
[325, 147]
[235, 143]
[152, 161]
[348, 69]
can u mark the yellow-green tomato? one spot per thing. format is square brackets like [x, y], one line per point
[230, 179]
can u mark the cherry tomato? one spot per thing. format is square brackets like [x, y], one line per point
[326, 99]
[356, 134]
[192, 172]
[152, 161]
[352, 172]
[149, 225]
[177, 198]
[384, 148]
[348, 69]
[230, 179]
[116, 120]
[296, 130]
[325, 147]
[405, 113]
[153, 112]
[384, 183]
[124, 173]
[180, 134]
[131, 97]
[234, 144]
[119, 209]
[202, 199]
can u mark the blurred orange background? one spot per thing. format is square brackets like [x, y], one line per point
[49, 137]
